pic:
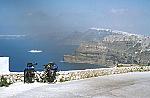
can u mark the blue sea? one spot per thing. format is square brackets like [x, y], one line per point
[53, 51]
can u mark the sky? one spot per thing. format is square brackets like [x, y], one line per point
[39, 17]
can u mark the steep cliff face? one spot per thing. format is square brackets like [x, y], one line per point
[92, 53]
[113, 49]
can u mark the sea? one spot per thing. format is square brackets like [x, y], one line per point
[52, 51]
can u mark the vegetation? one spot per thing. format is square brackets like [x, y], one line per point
[4, 82]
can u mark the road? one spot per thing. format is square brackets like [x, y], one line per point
[129, 85]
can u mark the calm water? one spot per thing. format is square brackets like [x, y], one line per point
[52, 52]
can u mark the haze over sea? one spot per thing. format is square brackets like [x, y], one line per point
[46, 24]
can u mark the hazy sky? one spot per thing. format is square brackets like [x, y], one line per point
[48, 16]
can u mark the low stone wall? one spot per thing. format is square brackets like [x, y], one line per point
[81, 74]
[13, 77]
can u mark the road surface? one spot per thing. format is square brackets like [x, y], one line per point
[128, 85]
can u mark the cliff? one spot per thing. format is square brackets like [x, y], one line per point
[114, 49]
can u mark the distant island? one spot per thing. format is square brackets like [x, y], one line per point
[111, 47]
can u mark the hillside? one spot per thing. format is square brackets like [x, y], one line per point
[111, 47]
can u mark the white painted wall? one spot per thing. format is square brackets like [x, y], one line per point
[4, 65]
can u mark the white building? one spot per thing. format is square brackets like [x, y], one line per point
[4, 65]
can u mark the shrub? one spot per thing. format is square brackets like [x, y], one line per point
[4, 82]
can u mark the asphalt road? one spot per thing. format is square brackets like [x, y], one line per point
[129, 85]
